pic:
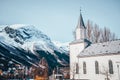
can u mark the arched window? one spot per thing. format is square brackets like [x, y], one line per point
[84, 68]
[96, 67]
[77, 68]
[110, 67]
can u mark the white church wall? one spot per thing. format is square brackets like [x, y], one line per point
[75, 49]
[103, 64]
[78, 32]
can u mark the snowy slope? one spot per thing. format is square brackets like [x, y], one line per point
[27, 37]
[63, 46]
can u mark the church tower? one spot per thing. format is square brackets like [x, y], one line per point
[77, 46]
[80, 32]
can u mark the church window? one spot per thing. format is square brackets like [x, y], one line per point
[81, 33]
[84, 68]
[96, 67]
[110, 67]
[77, 68]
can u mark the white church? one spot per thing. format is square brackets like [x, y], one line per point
[100, 61]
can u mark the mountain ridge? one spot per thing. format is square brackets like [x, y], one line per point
[25, 43]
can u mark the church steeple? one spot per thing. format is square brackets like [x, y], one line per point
[80, 22]
[78, 45]
[80, 29]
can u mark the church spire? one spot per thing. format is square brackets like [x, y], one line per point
[80, 21]
[80, 29]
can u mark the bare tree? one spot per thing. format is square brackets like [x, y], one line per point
[96, 34]
[105, 34]
[113, 37]
[44, 63]
[73, 70]
[89, 30]
[106, 73]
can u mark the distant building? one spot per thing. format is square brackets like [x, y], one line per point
[60, 73]
[100, 61]
[65, 71]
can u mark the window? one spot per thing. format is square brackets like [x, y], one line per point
[110, 67]
[77, 68]
[96, 67]
[81, 33]
[84, 68]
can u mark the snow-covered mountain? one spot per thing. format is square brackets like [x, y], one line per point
[27, 37]
[62, 46]
[20, 42]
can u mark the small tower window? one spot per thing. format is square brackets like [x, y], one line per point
[96, 67]
[84, 68]
[110, 67]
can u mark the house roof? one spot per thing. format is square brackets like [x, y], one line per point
[106, 48]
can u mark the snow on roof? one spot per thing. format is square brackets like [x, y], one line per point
[110, 47]
[43, 67]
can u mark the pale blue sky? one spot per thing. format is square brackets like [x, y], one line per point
[58, 18]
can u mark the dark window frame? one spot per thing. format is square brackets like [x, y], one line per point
[77, 68]
[96, 67]
[110, 67]
[84, 68]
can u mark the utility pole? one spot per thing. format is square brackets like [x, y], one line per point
[57, 69]
[78, 69]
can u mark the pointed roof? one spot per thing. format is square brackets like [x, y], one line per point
[81, 22]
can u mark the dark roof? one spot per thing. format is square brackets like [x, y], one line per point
[106, 48]
[81, 41]
[81, 22]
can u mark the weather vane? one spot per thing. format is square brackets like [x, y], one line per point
[80, 10]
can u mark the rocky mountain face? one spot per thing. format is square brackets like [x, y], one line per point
[26, 45]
